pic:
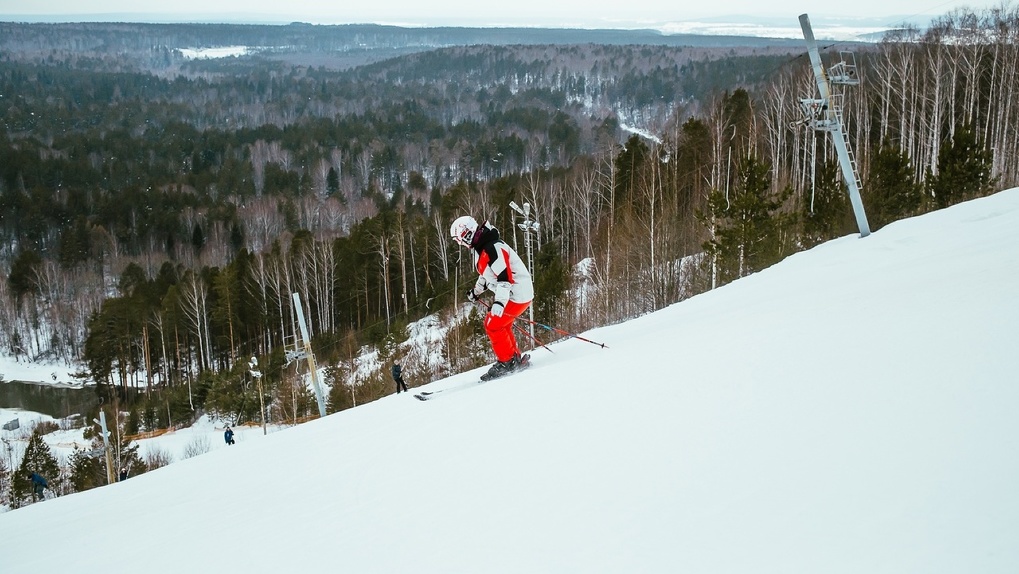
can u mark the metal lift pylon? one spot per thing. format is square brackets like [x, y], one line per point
[825, 114]
[304, 352]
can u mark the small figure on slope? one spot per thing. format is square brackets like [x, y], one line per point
[502, 271]
[228, 435]
[398, 377]
[39, 485]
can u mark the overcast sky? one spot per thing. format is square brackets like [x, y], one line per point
[562, 13]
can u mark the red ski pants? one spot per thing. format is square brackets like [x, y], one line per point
[500, 330]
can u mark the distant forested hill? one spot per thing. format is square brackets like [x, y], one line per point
[147, 45]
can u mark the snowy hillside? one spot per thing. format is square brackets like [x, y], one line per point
[852, 409]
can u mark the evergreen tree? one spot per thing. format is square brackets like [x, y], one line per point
[964, 170]
[22, 279]
[891, 192]
[113, 334]
[87, 469]
[628, 166]
[332, 182]
[225, 305]
[127, 457]
[233, 395]
[340, 396]
[197, 238]
[551, 282]
[38, 459]
[236, 236]
[738, 114]
[75, 244]
[824, 213]
[693, 164]
[747, 223]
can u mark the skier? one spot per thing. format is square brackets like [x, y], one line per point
[398, 377]
[39, 484]
[228, 435]
[502, 271]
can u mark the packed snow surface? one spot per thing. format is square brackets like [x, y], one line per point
[851, 409]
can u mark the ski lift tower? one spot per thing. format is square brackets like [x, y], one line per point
[529, 226]
[106, 445]
[306, 353]
[825, 114]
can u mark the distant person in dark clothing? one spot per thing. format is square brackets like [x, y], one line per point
[123, 475]
[398, 377]
[228, 435]
[39, 483]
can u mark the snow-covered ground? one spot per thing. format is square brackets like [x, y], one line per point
[851, 409]
[205, 435]
[175, 445]
[47, 374]
[421, 349]
[216, 52]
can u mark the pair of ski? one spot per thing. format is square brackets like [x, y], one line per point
[525, 361]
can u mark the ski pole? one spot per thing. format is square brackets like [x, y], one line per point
[532, 337]
[561, 332]
[553, 329]
[519, 328]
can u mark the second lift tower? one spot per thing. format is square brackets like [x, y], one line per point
[825, 114]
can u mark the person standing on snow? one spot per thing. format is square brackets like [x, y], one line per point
[39, 485]
[398, 377]
[228, 435]
[502, 271]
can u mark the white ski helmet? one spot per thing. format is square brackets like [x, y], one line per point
[463, 229]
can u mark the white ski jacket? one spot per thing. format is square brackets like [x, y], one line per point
[500, 269]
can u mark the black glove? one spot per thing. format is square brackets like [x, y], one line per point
[471, 296]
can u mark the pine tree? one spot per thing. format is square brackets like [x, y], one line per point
[22, 279]
[551, 282]
[127, 457]
[748, 224]
[74, 245]
[87, 470]
[891, 192]
[332, 182]
[198, 238]
[825, 212]
[628, 165]
[38, 459]
[340, 395]
[964, 170]
[236, 236]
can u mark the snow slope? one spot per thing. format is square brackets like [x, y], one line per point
[852, 409]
